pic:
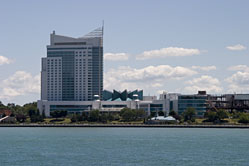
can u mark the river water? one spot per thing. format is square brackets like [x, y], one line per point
[123, 146]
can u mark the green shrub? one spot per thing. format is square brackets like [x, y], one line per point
[189, 114]
[94, 116]
[243, 118]
[73, 118]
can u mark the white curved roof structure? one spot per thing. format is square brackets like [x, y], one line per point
[168, 118]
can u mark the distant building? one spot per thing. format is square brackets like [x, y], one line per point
[171, 100]
[196, 101]
[230, 102]
[122, 96]
[102, 106]
[149, 98]
[5, 116]
[5, 112]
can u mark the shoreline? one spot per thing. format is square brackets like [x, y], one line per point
[127, 126]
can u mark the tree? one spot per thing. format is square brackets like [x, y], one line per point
[36, 118]
[116, 117]
[139, 114]
[172, 113]
[211, 116]
[216, 116]
[128, 114]
[153, 114]
[32, 112]
[63, 113]
[84, 116]
[79, 117]
[20, 118]
[73, 118]
[94, 116]
[189, 114]
[30, 108]
[1, 104]
[11, 105]
[104, 118]
[43, 114]
[17, 109]
[175, 115]
[110, 117]
[243, 118]
[160, 113]
[3, 115]
[221, 114]
[58, 114]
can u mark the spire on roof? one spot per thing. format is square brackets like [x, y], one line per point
[95, 33]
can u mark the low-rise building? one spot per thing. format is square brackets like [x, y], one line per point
[103, 106]
[196, 101]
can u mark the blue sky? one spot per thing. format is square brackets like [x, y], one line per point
[173, 46]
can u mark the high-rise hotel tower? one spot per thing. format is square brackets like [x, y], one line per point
[73, 68]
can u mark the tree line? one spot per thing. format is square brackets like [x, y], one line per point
[214, 116]
[22, 113]
[30, 112]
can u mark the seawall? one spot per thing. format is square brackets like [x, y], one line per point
[127, 125]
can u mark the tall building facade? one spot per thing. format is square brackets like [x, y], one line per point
[73, 68]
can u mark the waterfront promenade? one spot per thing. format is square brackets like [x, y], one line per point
[127, 125]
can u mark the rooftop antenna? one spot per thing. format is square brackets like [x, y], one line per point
[102, 29]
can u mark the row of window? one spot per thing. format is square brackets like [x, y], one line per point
[79, 65]
[54, 60]
[84, 55]
[82, 59]
[79, 52]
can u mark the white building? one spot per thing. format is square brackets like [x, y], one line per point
[103, 106]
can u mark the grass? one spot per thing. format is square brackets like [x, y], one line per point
[199, 120]
[131, 122]
[67, 120]
[229, 121]
[57, 121]
[232, 121]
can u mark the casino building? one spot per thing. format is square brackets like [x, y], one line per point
[72, 79]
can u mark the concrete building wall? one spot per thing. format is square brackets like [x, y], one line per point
[103, 106]
[44, 80]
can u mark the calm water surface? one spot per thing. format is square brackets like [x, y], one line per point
[123, 146]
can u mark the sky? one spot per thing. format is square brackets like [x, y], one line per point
[165, 45]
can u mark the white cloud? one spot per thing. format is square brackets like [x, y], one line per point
[239, 81]
[241, 78]
[205, 82]
[19, 84]
[204, 68]
[4, 60]
[237, 47]
[116, 56]
[167, 52]
[144, 78]
[239, 68]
